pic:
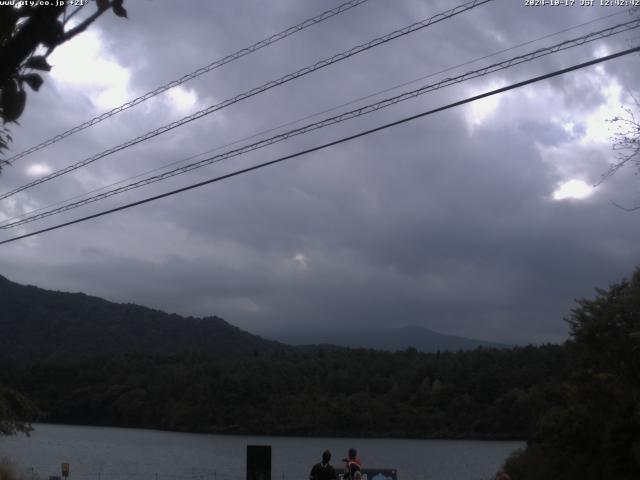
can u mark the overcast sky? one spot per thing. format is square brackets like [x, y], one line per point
[478, 221]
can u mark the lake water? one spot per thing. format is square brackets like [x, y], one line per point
[96, 453]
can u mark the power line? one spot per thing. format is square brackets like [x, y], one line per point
[541, 52]
[313, 115]
[339, 118]
[335, 142]
[254, 91]
[196, 73]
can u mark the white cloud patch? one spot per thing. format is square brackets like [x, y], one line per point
[301, 260]
[84, 64]
[182, 99]
[482, 110]
[598, 127]
[585, 152]
[38, 169]
[297, 262]
[572, 189]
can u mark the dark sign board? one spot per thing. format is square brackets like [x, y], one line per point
[258, 462]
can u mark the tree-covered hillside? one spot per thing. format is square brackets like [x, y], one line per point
[475, 394]
[38, 324]
[592, 430]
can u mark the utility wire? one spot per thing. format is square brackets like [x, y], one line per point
[590, 37]
[330, 144]
[196, 73]
[307, 117]
[313, 115]
[254, 91]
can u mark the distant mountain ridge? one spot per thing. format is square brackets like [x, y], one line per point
[39, 324]
[420, 338]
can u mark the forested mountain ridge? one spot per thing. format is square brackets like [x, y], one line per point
[86, 360]
[38, 324]
[41, 325]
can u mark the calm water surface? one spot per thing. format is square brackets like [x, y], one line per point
[97, 453]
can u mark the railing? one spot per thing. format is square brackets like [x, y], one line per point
[44, 472]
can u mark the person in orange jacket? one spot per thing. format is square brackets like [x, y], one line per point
[353, 465]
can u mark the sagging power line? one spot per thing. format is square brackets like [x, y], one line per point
[539, 53]
[196, 73]
[329, 144]
[308, 117]
[255, 91]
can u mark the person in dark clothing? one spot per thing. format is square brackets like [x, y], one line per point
[323, 470]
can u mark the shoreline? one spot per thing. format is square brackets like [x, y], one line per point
[483, 438]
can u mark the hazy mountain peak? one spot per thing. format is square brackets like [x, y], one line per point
[399, 338]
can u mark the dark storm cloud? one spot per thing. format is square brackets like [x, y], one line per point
[447, 222]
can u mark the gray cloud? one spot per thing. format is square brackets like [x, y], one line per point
[447, 222]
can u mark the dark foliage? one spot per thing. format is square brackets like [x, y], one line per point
[24, 31]
[476, 394]
[15, 412]
[593, 432]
